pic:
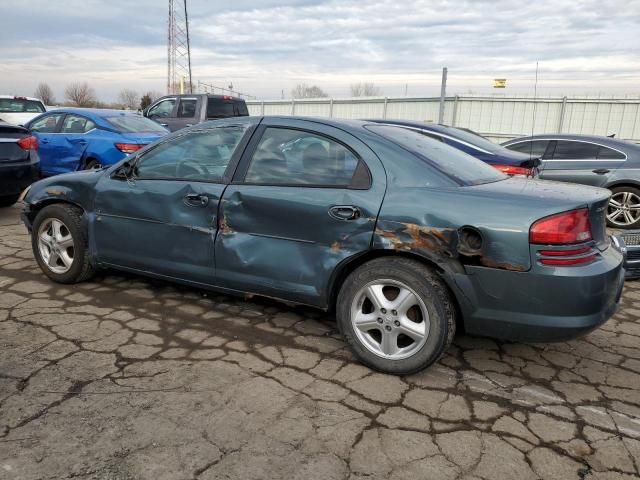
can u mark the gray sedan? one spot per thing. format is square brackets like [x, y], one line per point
[591, 160]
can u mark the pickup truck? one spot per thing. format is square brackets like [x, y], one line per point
[19, 110]
[179, 111]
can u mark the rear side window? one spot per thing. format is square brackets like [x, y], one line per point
[241, 109]
[567, 150]
[197, 156]
[20, 105]
[452, 162]
[610, 154]
[77, 124]
[187, 108]
[535, 148]
[295, 157]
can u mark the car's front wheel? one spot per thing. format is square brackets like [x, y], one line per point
[59, 242]
[396, 314]
[624, 207]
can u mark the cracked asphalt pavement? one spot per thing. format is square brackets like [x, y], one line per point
[129, 378]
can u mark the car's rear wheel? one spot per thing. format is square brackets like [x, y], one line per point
[59, 242]
[8, 200]
[624, 207]
[92, 164]
[396, 314]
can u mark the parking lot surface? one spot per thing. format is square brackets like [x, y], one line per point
[124, 378]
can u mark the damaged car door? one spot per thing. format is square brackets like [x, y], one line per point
[304, 199]
[158, 212]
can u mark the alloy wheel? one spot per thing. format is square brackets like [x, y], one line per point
[390, 319]
[624, 209]
[56, 245]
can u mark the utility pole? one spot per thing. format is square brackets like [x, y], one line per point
[178, 48]
[443, 93]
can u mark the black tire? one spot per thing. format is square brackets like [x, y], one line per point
[91, 164]
[71, 216]
[8, 200]
[427, 286]
[622, 189]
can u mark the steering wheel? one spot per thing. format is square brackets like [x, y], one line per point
[191, 168]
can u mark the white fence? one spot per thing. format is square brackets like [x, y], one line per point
[498, 118]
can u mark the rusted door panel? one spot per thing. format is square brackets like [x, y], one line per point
[281, 241]
[148, 225]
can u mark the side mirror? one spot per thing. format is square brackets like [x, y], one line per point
[145, 112]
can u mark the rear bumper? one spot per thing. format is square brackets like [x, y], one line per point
[542, 305]
[15, 177]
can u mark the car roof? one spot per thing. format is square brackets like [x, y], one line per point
[20, 97]
[98, 112]
[599, 139]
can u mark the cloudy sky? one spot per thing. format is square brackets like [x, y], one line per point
[266, 46]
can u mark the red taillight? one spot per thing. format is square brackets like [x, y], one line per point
[512, 170]
[28, 143]
[128, 147]
[575, 256]
[562, 229]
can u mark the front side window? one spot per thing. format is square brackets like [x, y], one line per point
[163, 108]
[567, 150]
[187, 108]
[77, 124]
[197, 156]
[46, 124]
[534, 148]
[295, 157]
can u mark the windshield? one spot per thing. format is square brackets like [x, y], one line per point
[19, 105]
[134, 124]
[464, 168]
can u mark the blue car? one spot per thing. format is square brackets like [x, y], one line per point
[73, 139]
[507, 161]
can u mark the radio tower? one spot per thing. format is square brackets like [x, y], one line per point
[178, 49]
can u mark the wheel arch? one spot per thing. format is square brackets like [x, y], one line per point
[624, 183]
[346, 268]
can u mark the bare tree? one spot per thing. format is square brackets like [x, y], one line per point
[302, 90]
[80, 94]
[129, 98]
[365, 89]
[44, 93]
[148, 98]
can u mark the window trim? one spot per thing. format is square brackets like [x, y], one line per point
[556, 139]
[241, 174]
[226, 176]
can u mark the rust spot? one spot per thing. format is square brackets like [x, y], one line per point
[336, 246]
[55, 192]
[489, 262]
[415, 237]
[225, 229]
[248, 296]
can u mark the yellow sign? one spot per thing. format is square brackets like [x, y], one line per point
[499, 83]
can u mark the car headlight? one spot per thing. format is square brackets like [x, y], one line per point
[24, 194]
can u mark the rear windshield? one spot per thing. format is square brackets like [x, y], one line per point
[17, 105]
[219, 108]
[458, 165]
[134, 124]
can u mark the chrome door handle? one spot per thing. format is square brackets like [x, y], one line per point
[196, 200]
[344, 212]
[164, 124]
